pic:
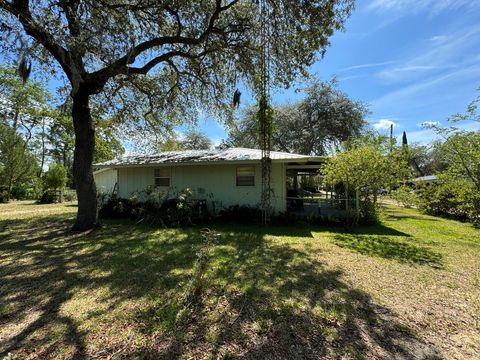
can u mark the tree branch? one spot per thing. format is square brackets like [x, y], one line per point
[120, 66]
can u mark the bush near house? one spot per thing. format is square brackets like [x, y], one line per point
[405, 196]
[157, 208]
[241, 214]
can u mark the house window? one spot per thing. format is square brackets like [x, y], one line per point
[246, 176]
[162, 177]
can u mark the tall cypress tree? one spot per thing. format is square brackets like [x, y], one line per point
[404, 140]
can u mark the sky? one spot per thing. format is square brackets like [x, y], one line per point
[411, 61]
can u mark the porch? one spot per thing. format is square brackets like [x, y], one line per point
[307, 197]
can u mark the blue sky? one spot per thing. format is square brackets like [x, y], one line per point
[412, 61]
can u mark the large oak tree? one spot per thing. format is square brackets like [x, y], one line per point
[154, 60]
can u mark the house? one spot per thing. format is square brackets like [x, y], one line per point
[223, 177]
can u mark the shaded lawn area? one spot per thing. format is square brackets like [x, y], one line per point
[405, 289]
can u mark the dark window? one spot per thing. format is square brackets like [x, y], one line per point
[246, 176]
[162, 177]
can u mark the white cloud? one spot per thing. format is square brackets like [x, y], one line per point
[438, 54]
[352, 77]
[439, 38]
[409, 68]
[364, 66]
[384, 124]
[404, 72]
[433, 7]
[415, 91]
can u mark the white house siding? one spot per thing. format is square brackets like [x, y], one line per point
[214, 182]
[105, 180]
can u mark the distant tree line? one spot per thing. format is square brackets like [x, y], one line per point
[36, 133]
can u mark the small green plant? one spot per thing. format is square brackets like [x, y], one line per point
[404, 196]
[196, 286]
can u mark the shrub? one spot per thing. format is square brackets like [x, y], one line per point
[3, 196]
[70, 195]
[286, 218]
[368, 213]
[48, 197]
[452, 198]
[19, 192]
[405, 196]
[117, 208]
[241, 214]
[154, 208]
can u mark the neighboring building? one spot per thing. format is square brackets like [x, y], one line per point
[424, 180]
[222, 177]
[428, 178]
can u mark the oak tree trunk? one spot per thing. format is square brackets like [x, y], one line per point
[82, 163]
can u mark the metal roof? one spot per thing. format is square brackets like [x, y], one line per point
[203, 156]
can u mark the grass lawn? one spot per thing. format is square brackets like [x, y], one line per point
[406, 289]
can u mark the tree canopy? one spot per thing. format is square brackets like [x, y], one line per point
[456, 193]
[195, 140]
[55, 177]
[17, 163]
[193, 53]
[322, 120]
[366, 168]
[31, 112]
[189, 140]
[22, 105]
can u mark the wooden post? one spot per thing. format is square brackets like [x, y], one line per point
[357, 203]
[347, 209]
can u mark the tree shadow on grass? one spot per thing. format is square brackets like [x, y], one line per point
[44, 267]
[269, 300]
[395, 215]
[257, 230]
[265, 298]
[388, 248]
[376, 229]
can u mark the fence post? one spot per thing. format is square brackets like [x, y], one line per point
[347, 207]
[357, 202]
